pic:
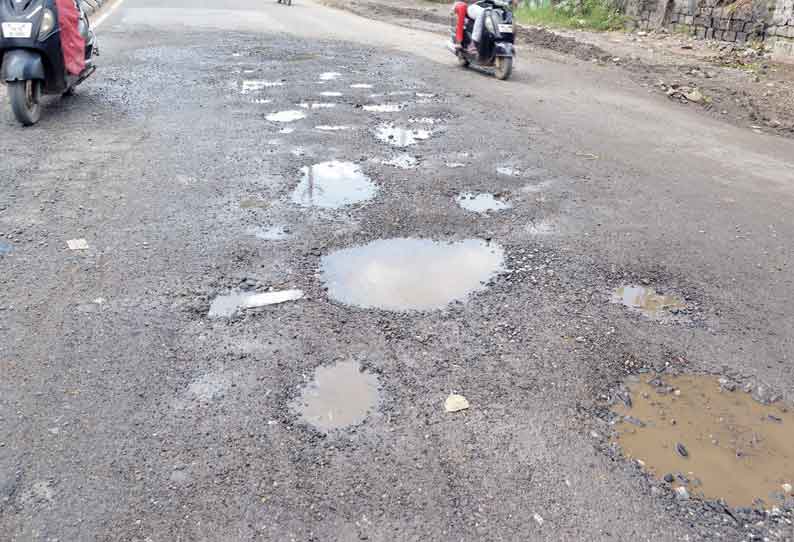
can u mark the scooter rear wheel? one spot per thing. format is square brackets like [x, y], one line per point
[25, 97]
[504, 67]
[463, 62]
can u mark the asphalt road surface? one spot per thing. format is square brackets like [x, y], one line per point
[128, 413]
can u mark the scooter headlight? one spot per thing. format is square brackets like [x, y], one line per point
[47, 23]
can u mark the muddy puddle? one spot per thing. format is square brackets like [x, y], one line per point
[286, 116]
[647, 301]
[341, 395]
[481, 203]
[410, 274]
[270, 233]
[332, 185]
[715, 443]
[400, 137]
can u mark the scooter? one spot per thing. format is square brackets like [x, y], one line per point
[496, 48]
[31, 56]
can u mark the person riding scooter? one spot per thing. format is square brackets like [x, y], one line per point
[476, 13]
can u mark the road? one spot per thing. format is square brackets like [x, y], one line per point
[127, 413]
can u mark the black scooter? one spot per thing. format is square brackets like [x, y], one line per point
[31, 57]
[496, 49]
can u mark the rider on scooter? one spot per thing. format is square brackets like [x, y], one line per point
[477, 14]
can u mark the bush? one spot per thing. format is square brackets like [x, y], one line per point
[591, 14]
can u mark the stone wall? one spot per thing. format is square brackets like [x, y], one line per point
[727, 20]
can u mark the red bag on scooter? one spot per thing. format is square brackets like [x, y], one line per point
[72, 43]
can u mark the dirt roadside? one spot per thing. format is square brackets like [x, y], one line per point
[739, 85]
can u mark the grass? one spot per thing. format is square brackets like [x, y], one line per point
[594, 16]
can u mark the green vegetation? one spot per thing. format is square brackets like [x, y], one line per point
[583, 14]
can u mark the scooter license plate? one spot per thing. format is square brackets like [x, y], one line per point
[17, 30]
[505, 28]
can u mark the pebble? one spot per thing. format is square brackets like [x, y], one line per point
[682, 493]
[681, 449]
[456, 403]
[786, 488]
[669, 478]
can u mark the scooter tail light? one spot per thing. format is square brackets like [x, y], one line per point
[47, 23]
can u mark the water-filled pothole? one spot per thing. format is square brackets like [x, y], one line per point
[332, 185]
[509, 171]
[226, 306]
[383, 108]
[400, 137]
[410, 274]
[286, 116]
[481, 203]
[5, 248]
[719, 444]
[271, 233]
[401, 161]
[647, 301]
[316, 105]
[249, 86]
[361, 85]
[340, 395]
[330, 76]
[331, 94]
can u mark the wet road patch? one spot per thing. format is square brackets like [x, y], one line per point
[697, 434]
[406, 274]
[339, 396]
[400, 137]
[332, 185]
[286, 116]
[481, 203]
[647, 301]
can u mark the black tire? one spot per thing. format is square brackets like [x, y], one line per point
[504, 67]
[25, 97]
[463, 62]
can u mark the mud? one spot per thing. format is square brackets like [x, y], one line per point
[718, 444]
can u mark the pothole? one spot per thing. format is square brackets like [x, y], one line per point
[331, 94]
[341, 395]
[647, 301]
[401, 161]
[5, 248]
[332, 185]
[286, 116]
[410, 274]
[400, 137]
[383, 108]
[541, 227]
[226, 306]
[481, 203]
[250, 86]
[271, 233]
[508, 171]
[332, 128]
[697, 434]
[316, 105]
[361, 85]
[330, 76]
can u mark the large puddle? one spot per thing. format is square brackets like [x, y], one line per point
[410, 274]
[481, 203]
[647, 301]
[332, 185]
[340, 395]
[400, 137]
[717, 444]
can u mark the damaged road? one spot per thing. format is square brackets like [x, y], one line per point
[291, 318]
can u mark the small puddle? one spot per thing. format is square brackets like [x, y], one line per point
[331, 94]
[317, 105]
[410, 274]
[400, 137]
[508, 171]
[340, 395]
[647, 301]
[455, 165]
[401, 161]
[272, 233]
[481, 203]
[287, 130]
[426, 95]
[383, 108]
[361, 85]
[332, 185]
[254, 203]
[286, 116]
[330, 76]
[226, 306]
[718, 444]
[5, 248]
[247, 87]
[331, 128]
